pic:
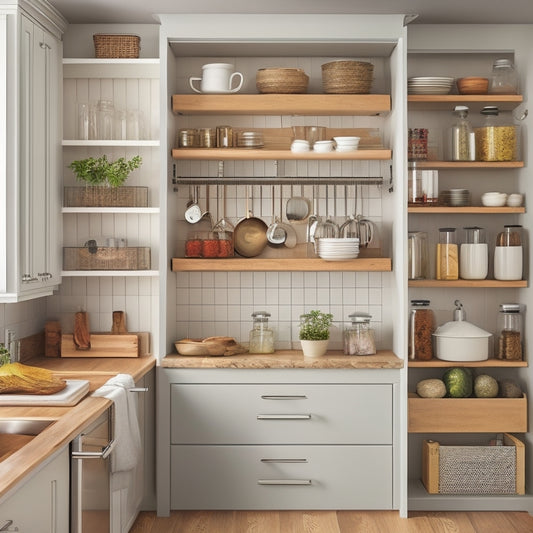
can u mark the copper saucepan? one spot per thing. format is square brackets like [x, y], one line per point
[250, 234]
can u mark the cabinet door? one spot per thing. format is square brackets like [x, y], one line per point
[39, 208]
[41, 504]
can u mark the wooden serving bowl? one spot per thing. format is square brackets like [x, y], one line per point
[472, 85]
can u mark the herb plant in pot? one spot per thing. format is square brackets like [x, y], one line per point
[104, 182]
[314, 333]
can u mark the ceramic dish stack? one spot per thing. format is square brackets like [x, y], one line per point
[455, 197]
[346, 144]
[250, 139]
[338, 249]
[281, 80]
[430, 85]
[347, 77]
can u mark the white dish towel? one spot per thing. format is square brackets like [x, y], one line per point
[127, 451]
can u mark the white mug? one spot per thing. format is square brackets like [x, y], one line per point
[217, 78]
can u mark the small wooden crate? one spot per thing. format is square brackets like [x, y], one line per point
[116, 45]
[105, 196]
[106, 258]
[474, 469]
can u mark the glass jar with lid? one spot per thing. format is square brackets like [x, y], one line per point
[421, 329]
[463, 139]
[504, 78]
[474, 254]
[261, 336]
[359, 336]
[508, 253]
[447, 261]
[497, 137]
[509, 332]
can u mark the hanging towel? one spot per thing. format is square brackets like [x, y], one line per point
[127, 451]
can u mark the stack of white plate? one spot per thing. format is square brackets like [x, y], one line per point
[430, 85]
[455, 197]
[346, 144]
[250, 139]
[338, 249]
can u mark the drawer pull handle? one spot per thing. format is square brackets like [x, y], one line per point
[283, 417]
[284, 397]
[284, 482]
[284, 460]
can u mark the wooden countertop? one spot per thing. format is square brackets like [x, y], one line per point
[384, 359]
[69, 421]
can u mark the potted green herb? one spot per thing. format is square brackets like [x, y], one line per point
[314, 332]
[104, 182]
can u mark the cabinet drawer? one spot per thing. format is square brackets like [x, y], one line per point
[281, 414]
[281, 477]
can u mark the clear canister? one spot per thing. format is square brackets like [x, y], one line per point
[447, 261]
[463, 138]
[418, 255]
[504, 78]
[359, 336]
[510, 332]
[421, 329]
[187, 138]
[261, 336]
[423, 185]
[105, 122]
[474, 254]
[497, 137]
[207, 138]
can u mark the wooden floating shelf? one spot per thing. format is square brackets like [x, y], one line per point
[468, 283]
[236, 264]
[475, 102]
[473, 210]
[467, 415]
[489, 363]
[281, 104]
[444, 165]
[241, 154]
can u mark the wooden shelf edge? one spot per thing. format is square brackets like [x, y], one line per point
[488, 363]
[110, 273]
[468, 283]
[237, 264]
[443, 165]
[477, 210]
[235, 154]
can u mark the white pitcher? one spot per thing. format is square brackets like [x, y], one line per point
[217, 78]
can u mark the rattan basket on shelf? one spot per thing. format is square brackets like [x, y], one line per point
[116, 45]
[281, 80]
[347, 77]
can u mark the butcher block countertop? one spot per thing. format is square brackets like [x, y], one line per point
[69, 421]
[384, 359]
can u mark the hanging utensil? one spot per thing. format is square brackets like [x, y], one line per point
[250, 233]
[313, 219]
[276, 234]
[297, 208]
[326, 229]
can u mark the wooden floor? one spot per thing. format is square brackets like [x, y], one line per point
[333, 522]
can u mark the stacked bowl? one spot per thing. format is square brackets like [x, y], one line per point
[430, 85]
[346, 144]
[338, 249]
[455, 197]
[347, 77]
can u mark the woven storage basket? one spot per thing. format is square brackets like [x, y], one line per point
[105, 196]
[112, 45]
[281, 80]
[347, 77]
[106, 258]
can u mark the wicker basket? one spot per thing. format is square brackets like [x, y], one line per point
[114, 45]
[106, 258]
[94, 196]
[474, 469]
[347, 77]
[281, 80]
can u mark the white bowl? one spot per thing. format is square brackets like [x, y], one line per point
[323, 146]
[346, 140]
[515, 199]
[493, 199]
[346, 148]
[300, 146]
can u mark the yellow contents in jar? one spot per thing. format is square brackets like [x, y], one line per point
[447, 261]
[496, 143]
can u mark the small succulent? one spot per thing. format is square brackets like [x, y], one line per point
[314, 326]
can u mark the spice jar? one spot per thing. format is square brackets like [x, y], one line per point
[421, 329]
[225, 243]
[418, 255]
[463, 139]
[474, 254]
[496, 138]
[504, 78]
[418, 144]
[261, 336]
[187, 138]
[508, 253]
[447, 264]
[422, 186]
[359, 336]
[207, 138]
[510, 332]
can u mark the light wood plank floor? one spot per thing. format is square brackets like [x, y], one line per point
[333, 522]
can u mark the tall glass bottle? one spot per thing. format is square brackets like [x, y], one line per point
[463, 139]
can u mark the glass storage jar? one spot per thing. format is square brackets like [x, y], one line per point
[105, 122]
[418, 255]
[497, 137]
[463, 138]
[508, 253]
[474, 254]
[421, 329]
[359, 336]
[422, 186]
[261, 336]
[504, 78]
[447, 261]
[510, 332]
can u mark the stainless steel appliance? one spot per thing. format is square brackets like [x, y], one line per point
[90, 476]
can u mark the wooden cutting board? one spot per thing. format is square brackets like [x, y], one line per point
[102, 345]
[75, 390]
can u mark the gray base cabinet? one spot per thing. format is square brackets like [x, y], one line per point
[276, 439]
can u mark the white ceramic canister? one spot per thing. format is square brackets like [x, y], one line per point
[474, 254]
[217, 78]
[508, 254]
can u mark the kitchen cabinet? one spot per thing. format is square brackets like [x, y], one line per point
[278, 439]
[30, 139]
[473, 420]
[41, 503]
